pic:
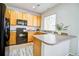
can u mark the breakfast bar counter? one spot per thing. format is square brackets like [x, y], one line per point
[45, 43]
[51, 38]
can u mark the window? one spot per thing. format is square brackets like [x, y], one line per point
[50, 22]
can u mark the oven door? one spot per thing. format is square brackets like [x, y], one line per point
[22, 37]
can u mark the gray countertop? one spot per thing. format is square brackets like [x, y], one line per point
[50, 38]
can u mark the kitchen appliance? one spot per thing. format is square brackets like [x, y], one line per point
[22, 37]
[21, 22]
[4, 29]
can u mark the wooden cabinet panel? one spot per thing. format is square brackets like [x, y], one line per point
[38, 20]
[37, 44]
[12, 40]
[35, 20]
[36, 47]
[19, 15]
[25, 16]
[7, 13]
[13, 17]
[30, 36]
[30, 20]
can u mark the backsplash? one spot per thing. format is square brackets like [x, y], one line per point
[13, 28]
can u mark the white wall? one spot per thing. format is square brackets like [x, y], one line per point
[69, 15]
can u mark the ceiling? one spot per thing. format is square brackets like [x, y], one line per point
[40, 7]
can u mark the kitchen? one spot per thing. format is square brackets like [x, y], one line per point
[33, 32]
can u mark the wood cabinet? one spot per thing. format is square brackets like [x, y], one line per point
[35, 20]
[36, 47]
[30, 36]
[11, 14]
[7, 13]
[25, 16]
[38, 20]
[30, 20]
[12, 40]
[13, 17]
[19, 15]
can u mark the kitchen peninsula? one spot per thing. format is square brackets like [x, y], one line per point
[52, 42]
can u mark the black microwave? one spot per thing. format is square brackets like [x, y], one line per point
[21, 22]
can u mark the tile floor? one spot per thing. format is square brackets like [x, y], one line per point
[20, 50]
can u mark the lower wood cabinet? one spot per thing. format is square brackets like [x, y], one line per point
[36, 47]
[12, 40]
[30, 36]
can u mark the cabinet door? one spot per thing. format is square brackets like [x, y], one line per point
[30, 36]
[34, 20]
[38, 20]
[19, 15]
[12, 40]
[30, 20]
[13, 17]
[36, 47]
[7, 13]
[25, 16]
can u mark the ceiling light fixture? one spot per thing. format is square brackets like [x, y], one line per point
[38, 5]
[33, 7]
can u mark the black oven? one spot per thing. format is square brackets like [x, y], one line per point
[22, 37]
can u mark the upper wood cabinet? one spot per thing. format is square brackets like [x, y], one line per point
[35, 20]
[30, 20]
[19, 15]
[13, 15]
[38, 20]
[25, 16]
[7, 13]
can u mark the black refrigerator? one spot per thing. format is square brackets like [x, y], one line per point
[4, 29]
